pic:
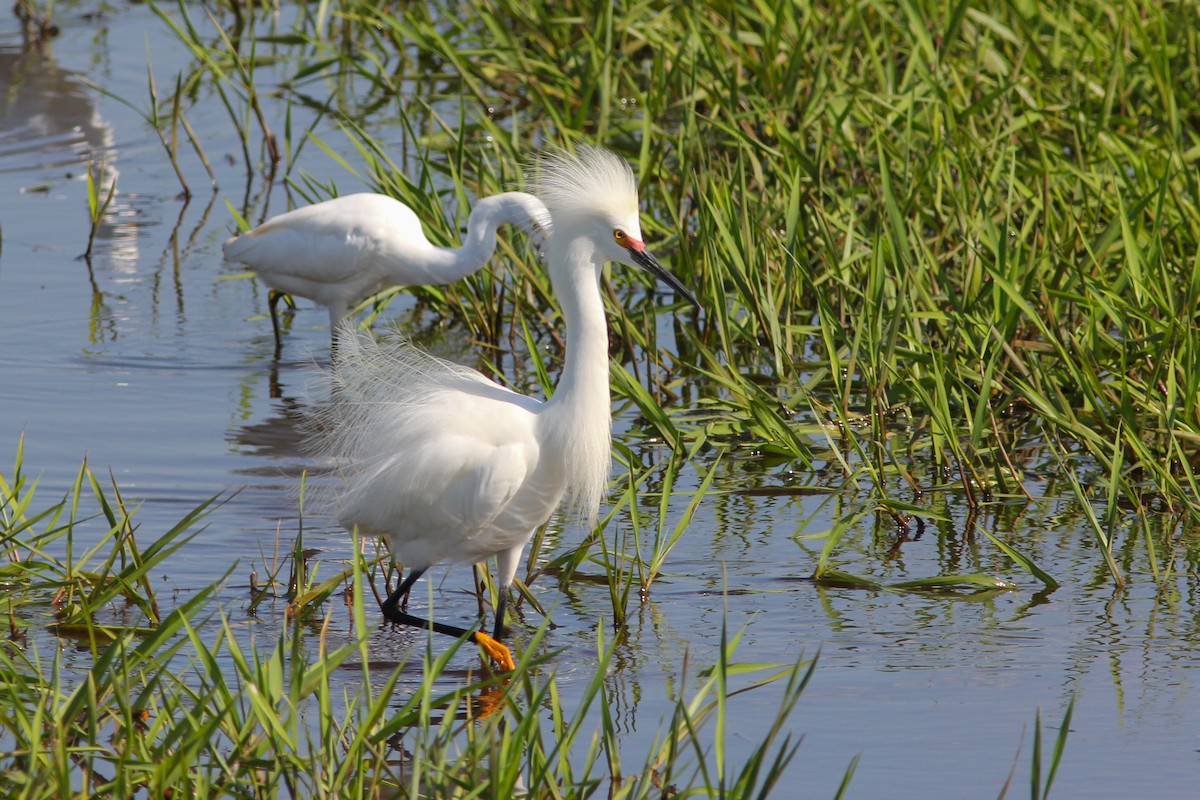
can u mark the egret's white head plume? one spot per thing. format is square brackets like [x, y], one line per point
[590, 182]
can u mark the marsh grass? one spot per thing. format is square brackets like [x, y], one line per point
[949, 256]
[79, 585]
[182, 704]
[1039, 788]
[962, 243]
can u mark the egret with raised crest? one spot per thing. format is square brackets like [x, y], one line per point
[448, 466]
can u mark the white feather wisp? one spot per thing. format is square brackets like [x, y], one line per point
[393, 412]
[590, 181]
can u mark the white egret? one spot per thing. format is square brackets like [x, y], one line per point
[447, 465]
[339, 251]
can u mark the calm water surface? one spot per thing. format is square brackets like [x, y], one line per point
[153, 366]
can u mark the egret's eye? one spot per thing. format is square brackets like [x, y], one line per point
[620, 237]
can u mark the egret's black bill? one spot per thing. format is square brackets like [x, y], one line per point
[646, 261]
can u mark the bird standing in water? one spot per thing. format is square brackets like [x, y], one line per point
[447, 465]
[339, 251]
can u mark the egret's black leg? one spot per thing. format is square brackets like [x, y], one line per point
[391, 608]
[501, 604]
[399, 598]
[273, 298]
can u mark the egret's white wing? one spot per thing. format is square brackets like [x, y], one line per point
[435, 456]
[330, 242]
[432, 510]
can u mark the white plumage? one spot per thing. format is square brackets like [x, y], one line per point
[447, 465]
[433, 454]
[339, 251]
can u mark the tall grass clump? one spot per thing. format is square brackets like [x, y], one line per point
[941, 246]
[979, 221]
[182, 703]
[68, 581]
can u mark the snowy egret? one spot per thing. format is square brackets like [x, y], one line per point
[339, 251]
[447, 465]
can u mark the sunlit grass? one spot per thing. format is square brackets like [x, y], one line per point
[46, 566]
[183, 704]
[941, 247]
[982, 221]
[938, 246]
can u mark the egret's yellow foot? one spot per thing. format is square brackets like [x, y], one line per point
[496, 651]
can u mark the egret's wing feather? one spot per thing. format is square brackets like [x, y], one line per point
[488, 480]
[430, 452]
[329, 242]
[433, 510]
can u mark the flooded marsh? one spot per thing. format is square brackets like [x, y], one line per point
[928, 446]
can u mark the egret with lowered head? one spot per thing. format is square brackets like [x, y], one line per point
[447, 465]
[339, 251]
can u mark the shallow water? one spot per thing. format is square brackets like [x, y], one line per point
[152, 365]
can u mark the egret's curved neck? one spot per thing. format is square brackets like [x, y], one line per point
[508, 208]
[580, 412]
[575, 278]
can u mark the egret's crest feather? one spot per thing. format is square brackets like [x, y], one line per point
[591, 181]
